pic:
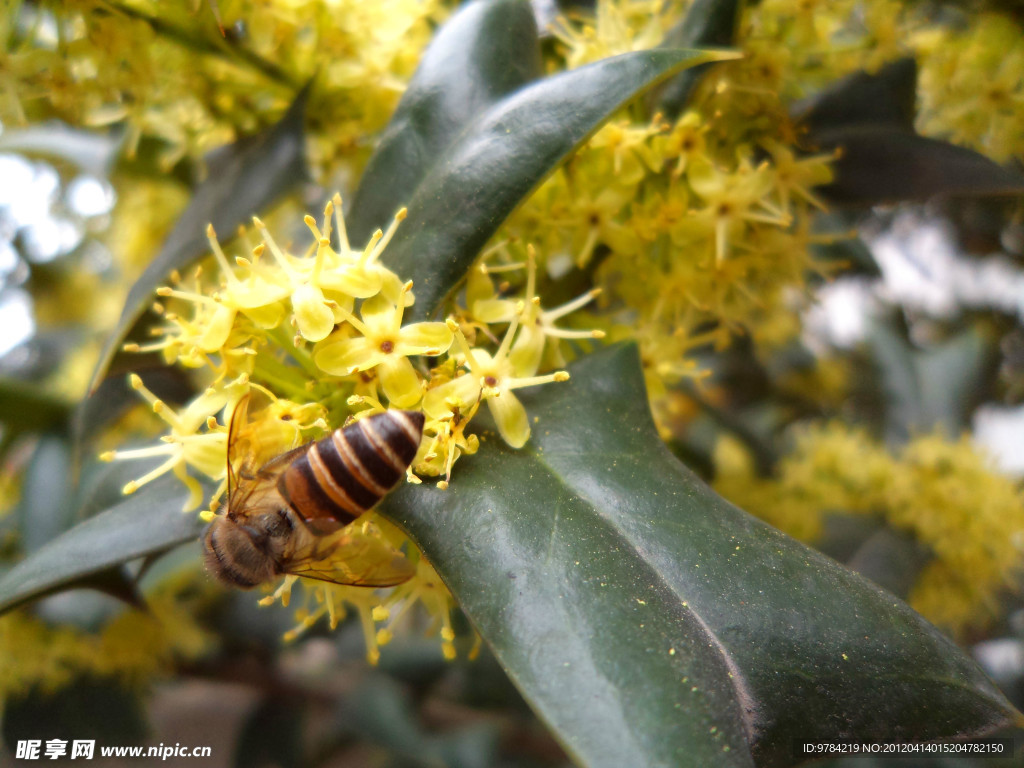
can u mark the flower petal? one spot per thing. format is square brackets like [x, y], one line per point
[217, 329]
[465, 390]
[266, 316]
[424, 339]
[341, 356]
[528, 351]
[510, 417]
[399, 381]
[256, 292]
[315, 319]
[493, 310]
[352, 281]
[378, 314]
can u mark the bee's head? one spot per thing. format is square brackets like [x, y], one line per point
[245, 552]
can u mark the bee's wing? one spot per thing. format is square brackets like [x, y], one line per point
[254, 457]
[356, 560]
[236, 446]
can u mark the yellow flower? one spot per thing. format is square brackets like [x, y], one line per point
[385, 345]
[492, 378]
[196, 439]
[536, 325]
[732, 200]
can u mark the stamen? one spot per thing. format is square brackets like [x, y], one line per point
[354, 321]
[562, 333]
[275, 251]
[571, 306]
[471, 361]
[371, 246]
[399, 218]
[222, 261]
[400, 309]
[507, 341]
[346, 249]
[310, 222]
[134, 485]
[533, 381]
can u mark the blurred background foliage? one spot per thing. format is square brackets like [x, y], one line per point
[832, 339]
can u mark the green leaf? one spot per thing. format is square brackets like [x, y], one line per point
[925, 389]
[148, 522]
[884, 164]
[485, 51]
[243, 179]
[884, 98]
[44, 510]
[505, 154]
[24, 407]
[708, 23]
[891, 559]
[602, 571]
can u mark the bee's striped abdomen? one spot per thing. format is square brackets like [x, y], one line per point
[346, 473]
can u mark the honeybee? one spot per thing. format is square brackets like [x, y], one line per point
[290, 514]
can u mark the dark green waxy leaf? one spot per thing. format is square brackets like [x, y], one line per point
[243, 179]
[601, 570]
[938, 387]
[891, 559]
[708, 23]
[485, 51]
[884, 164]
[503, 155]
[148, 522]
[44, 510]
[24, 407]
[884, 98]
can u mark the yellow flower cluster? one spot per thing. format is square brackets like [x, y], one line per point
[972, 84]
[168, 72]
[700, 228]
[323, 333]
[945, 494]
[134, 648]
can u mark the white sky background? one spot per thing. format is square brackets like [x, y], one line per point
[41, 220]
[923, 271]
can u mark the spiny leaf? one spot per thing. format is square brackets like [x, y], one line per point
[484, 52]
[150, 521]
[708, 23]
[601, 570]
[505, 154]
